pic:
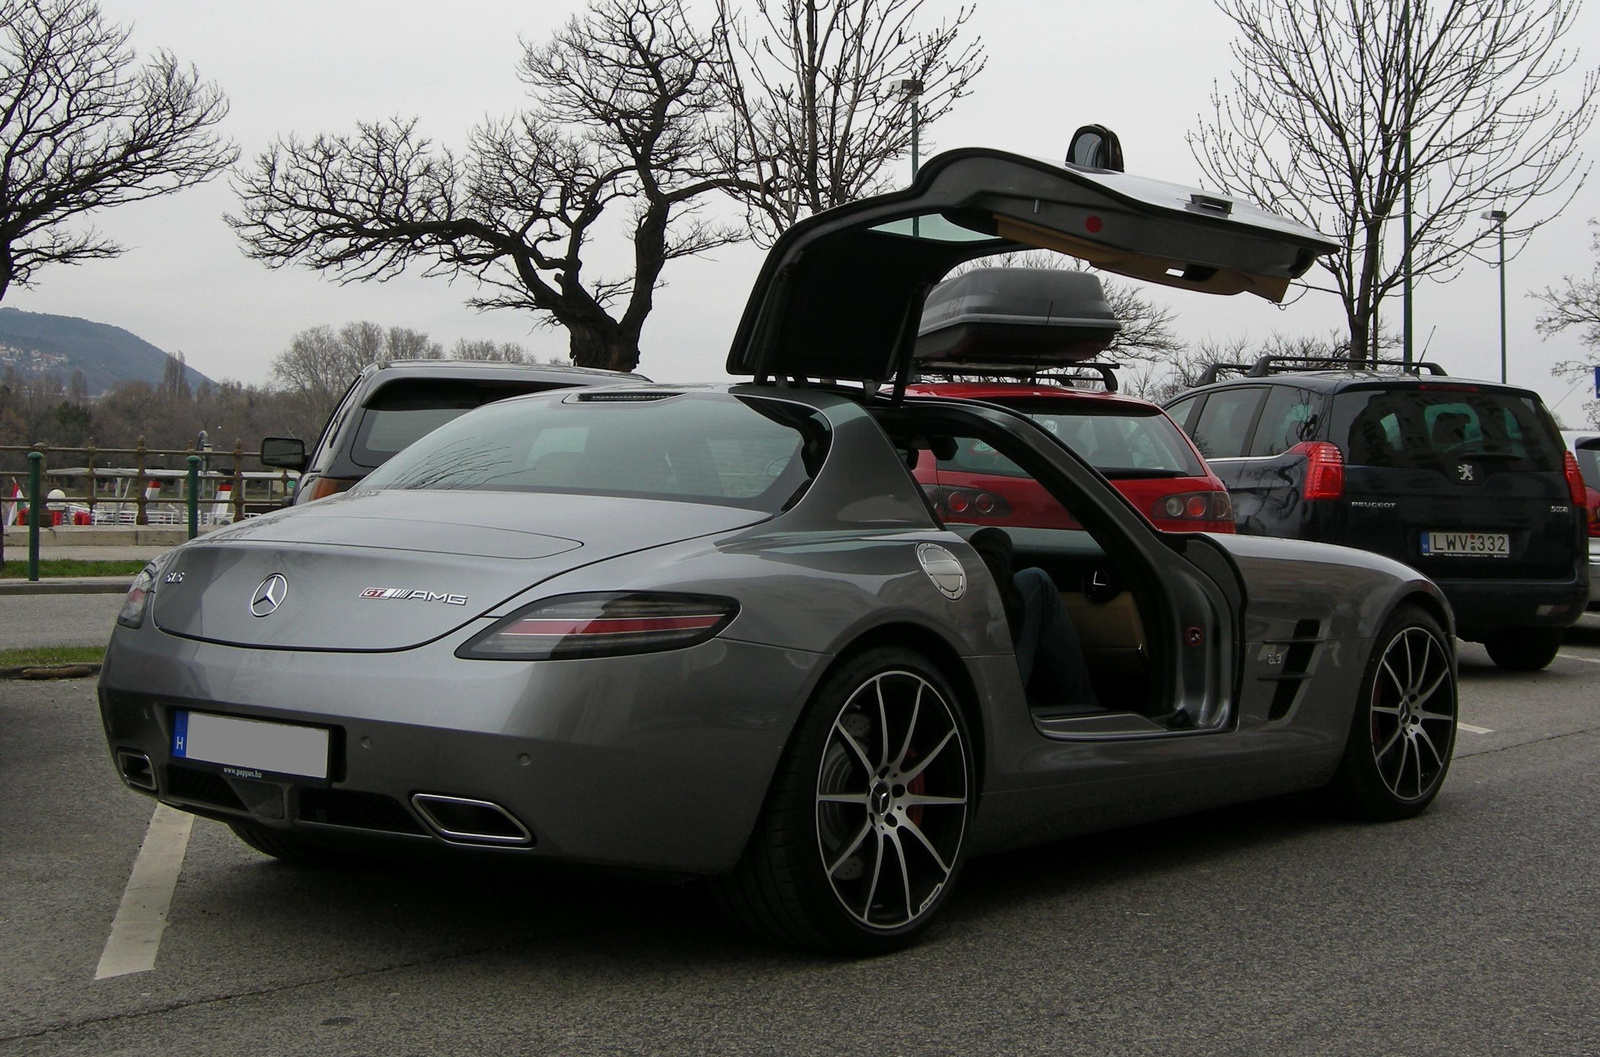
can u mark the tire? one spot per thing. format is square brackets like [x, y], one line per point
[1523, 649]
[863, 835]
[1403, 732]
[291, 848]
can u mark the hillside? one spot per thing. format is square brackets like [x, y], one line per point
[38, 344]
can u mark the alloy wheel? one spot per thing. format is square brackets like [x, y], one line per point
[1413, 713]
[891, 801]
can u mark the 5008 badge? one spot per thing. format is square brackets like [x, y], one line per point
[409, 594]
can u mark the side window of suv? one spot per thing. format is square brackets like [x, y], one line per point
[1225, 421]
[1288, 418]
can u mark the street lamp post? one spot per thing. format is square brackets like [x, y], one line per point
[912, 88]
[1499, 218]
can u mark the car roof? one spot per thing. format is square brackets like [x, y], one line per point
[500, 369]
[997, 390]
[1335, 380]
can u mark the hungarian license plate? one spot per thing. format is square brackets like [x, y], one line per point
[249, 748]
[1468, 544]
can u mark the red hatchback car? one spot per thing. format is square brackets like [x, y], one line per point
[1133, 442]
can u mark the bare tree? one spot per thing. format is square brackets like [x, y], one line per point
[1336, 103]
[818, 92]
[624, 106]
[1184, 368]
[83, 128]
[320, 363]
[504, 352]
[1577, 305]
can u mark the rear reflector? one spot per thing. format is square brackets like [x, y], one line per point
[602, 625]
[1324, 469]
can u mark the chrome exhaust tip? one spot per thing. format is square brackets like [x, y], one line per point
[135, 769]
[474, 821]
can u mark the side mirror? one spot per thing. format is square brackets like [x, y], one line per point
[288, 453]
[1095, 147]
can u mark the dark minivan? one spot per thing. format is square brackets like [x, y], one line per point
[1466, 481]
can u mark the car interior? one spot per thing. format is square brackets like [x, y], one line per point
[1094, 592]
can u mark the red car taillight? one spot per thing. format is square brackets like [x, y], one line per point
[1215, 507]
[962, 503]
[1591, 510]
[602, 625]
[1575, 485]
[1324, 469]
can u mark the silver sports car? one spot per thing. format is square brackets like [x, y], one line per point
[720, 631]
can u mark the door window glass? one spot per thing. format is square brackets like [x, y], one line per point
[1224, 423]
[1287, 419]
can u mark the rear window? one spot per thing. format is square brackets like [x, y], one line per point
[1418, 427]
[1588, 453]
[1120, 443]
[401, 412]
[697, 448]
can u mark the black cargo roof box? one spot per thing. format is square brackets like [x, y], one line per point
[1011, 318]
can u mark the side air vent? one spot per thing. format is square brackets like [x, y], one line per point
[1301, 649]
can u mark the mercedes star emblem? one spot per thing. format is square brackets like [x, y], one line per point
[269, 596]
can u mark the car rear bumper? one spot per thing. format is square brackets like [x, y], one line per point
[657, 761]
[1485, 606]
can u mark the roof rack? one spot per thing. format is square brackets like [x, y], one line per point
[1269, 365]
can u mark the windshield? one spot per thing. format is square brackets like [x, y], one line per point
[697, 448]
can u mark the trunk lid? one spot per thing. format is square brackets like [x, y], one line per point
[392, 570]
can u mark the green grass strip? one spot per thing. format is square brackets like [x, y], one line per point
[54, 567]
[41, 655]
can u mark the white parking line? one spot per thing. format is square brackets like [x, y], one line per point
[1474, 730]
[142, 917]
[1575, 657]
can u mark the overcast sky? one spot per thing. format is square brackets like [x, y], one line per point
[1143, 67]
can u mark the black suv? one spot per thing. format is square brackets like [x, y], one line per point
[392, 403]
[1466, 481]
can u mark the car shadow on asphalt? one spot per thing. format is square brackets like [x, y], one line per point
[542, 919]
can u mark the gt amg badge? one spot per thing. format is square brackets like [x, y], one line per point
[410, 594]
[269, 596]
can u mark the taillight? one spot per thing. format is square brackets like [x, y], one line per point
[1213, 506]
[1575, 485]
[132, 613]
[1592, 511]
[1324, 469]
[602, 625]
[323, 487]
[963, 503]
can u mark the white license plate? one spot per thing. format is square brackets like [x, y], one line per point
[250, 748]
[1468, 544]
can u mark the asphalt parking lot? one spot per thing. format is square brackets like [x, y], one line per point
[1267, 928]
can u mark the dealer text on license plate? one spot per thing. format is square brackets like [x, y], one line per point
[249, 748]
[1469, 544]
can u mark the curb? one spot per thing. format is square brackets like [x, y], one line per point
[51, 671]
[67, 585]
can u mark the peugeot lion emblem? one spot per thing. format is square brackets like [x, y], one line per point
[269, 596]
